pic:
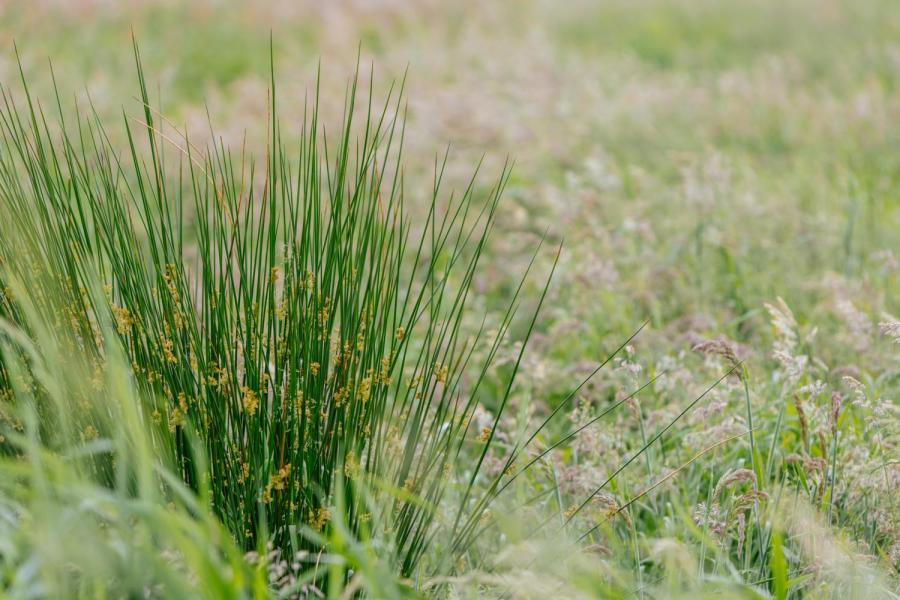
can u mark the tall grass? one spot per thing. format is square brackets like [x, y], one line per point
[88, 516]
[287, 313]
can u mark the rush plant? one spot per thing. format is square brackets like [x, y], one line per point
[286, 317]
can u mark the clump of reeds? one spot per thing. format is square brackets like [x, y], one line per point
[283, 315]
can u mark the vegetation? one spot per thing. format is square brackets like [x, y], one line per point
[265, 354]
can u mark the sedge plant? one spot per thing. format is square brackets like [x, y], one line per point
[289, 314]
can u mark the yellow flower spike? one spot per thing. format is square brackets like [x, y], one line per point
[90, 433]
[176, 419]
[365, 389]
[123, 318]
[318, 518]
[350, 466]
[441, 372]
[250, 401]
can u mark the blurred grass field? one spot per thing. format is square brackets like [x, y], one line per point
[727, 170]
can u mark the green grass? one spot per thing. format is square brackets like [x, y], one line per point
[701, 160]
[311, 348]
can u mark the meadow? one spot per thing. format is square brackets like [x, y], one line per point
[405, 299]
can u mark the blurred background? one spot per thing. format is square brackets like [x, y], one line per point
[684, 147]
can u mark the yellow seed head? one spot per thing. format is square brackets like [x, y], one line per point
[250, 400]
[90, 433]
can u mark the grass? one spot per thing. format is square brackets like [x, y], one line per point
[313, 345]
[720, 173]
[147, 532]
[304, 376]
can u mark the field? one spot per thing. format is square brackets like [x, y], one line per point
[402, 299]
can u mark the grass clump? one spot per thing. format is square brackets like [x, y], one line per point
[285, 317]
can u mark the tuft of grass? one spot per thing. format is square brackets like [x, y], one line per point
[283, 316]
